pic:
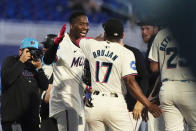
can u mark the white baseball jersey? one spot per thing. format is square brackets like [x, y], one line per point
[178, 93]
[165, 51]
[48, 70]
[67, 84]
[109, 63]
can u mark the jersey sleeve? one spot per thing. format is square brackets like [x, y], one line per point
[128, 65]
[153, 54]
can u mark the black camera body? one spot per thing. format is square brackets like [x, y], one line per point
[36, 54]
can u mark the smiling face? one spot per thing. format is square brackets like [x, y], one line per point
[79, 27]
[148, 32]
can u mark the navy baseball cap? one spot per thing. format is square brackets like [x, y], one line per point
[113, 28]
[29, 43]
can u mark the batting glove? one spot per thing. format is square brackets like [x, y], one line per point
[60, 36]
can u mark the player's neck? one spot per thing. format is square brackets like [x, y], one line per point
[72, 38]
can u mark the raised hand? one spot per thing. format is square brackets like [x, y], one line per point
[60, 36]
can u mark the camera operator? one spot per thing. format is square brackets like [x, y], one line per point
[22, 76]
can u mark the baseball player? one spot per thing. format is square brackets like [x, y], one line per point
[66, 104]
[112, 67]
[178, 93]
[149, 30]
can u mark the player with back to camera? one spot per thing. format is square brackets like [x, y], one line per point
[112, 68]
[178, 93]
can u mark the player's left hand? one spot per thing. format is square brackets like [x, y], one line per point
[137, 110]
[60, 36]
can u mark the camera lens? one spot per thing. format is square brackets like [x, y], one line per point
[36, 54]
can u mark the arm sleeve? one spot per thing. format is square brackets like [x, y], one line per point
[153, 54]
[11, 69]
[128, 64]
[50, 55]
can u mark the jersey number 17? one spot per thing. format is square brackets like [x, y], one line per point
[100, 65]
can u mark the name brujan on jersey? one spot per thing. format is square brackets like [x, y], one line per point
[164, 43]
[105, 53]
[79, 61]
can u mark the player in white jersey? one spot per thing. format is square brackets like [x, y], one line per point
[112, 66]
[66, 104]
[149, 29]
[178, 91]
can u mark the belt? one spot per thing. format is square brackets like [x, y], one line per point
[105, 94]
[164, 80]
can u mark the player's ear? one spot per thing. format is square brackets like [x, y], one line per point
[71, 26]
[20, 52]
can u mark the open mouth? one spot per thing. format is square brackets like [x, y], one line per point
[83, 33]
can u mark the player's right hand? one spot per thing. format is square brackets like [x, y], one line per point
[60, 36]
[25, 55]
[155, 110]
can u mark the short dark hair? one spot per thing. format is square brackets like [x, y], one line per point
[76, 14]
[113, 28]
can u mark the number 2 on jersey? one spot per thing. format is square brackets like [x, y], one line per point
[99, 65]
[171, 63]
